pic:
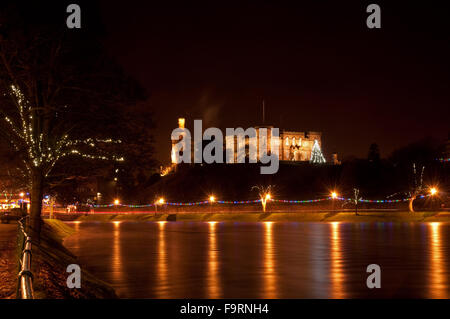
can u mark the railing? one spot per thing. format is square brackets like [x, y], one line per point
[25, 280]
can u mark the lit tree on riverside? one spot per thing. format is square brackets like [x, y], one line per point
[54, 84]
[264, 193]
[35, 134]
[416, 188]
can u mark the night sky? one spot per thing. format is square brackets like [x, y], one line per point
[315, 63]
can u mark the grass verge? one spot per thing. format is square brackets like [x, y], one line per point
[49, 264]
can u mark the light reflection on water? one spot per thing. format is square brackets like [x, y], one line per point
[213, 263]
[439, 273]
[265, 260]
[162, 261]
[336, 273]
[270, 273]
[116, 256]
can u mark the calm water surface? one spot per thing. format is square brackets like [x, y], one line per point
[265, 260]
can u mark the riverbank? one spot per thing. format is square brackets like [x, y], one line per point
[49, 264]
[328, 216]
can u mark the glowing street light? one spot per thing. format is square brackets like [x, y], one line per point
[212, 199]
[116, 202]
[160, 201]
[433, 191]
[334, 196]
[22, 195]
[268, 196]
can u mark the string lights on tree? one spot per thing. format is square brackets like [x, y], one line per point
[416, 188]
[60, 98]
[33, 134]
[264, 194]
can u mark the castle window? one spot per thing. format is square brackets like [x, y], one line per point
[300, 141]
[293, 141]
[286, 141]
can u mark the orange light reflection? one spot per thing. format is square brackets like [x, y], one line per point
[438, 285]
[270, 288]
[117, 271]
[213, 277]
[337, 272]
[162, 263]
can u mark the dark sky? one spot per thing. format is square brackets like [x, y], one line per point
[315, 63]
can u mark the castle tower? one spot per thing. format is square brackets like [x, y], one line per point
[181, 124]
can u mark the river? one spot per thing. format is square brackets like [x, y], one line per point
[265, 260]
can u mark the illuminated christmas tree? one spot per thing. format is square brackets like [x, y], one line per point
[316, 154]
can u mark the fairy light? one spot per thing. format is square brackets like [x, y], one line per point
[161, 201]
[41, 151]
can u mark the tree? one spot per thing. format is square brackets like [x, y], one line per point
[54, 84]
[416, 188]
[374, 153]
[316, 154]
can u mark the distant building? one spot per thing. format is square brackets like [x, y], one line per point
[294, 146]
[298, 146]
[334, 159]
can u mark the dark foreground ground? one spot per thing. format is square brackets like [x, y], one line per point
[8, 260]
[49, 263]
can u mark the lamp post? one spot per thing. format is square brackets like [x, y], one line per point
[212, 199]
[334, 195]
[116, 204]
[160, 201]
[433, 193]
[21, 201]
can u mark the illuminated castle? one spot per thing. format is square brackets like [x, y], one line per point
[301, 146]
[293, 145]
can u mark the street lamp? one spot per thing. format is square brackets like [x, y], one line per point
[21, 200]
[433, 191]
[334, 196]
[160, 201]
[212, 199]
[116, 204]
